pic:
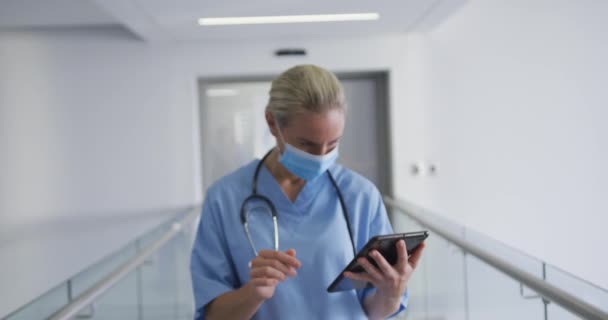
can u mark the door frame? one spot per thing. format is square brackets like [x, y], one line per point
[380, 78]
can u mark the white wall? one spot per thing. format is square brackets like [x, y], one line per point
[90, 120]
[514, 103]
[93, 131]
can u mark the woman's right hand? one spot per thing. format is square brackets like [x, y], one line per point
[269, 269]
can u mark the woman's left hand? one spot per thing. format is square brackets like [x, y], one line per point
[391, 281]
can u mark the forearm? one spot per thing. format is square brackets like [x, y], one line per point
[237, 304]
[378, 306]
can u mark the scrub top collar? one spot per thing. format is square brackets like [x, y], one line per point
[282, 202]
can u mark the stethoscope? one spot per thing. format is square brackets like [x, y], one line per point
[255, 196]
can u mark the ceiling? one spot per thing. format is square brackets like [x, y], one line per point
[162, 20]
[52, 13]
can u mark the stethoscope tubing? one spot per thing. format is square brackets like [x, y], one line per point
[254, 195]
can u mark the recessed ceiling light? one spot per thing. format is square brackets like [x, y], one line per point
[289, 19]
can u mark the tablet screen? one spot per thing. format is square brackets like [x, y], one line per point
[386, 245]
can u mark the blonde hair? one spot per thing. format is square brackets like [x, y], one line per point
[304, 88]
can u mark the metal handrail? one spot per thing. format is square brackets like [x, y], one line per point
[89, 296]
[542, 287]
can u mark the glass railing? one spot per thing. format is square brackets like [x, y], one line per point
[451, 283]
[159, 288]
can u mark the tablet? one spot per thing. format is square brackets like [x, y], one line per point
[386, 245]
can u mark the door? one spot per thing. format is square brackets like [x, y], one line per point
[234, 131]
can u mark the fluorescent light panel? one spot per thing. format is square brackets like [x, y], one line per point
[221, 92]
[289, 19]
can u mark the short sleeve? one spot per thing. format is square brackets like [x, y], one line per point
[210, 264]
[379, 225]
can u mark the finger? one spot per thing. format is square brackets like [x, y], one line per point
[401, 255]
[291, 252]
[384, 266]
[281, 256]
[370, 269]
[264, 282]
[360, 276]
[267, 272]
[415, 258]
[261, 262]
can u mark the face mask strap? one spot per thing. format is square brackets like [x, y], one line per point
[280, 134]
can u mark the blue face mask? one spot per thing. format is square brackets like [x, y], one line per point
[303, 164]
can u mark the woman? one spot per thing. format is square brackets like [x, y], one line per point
[323, 212]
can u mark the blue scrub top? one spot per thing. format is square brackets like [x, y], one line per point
[313, 225]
